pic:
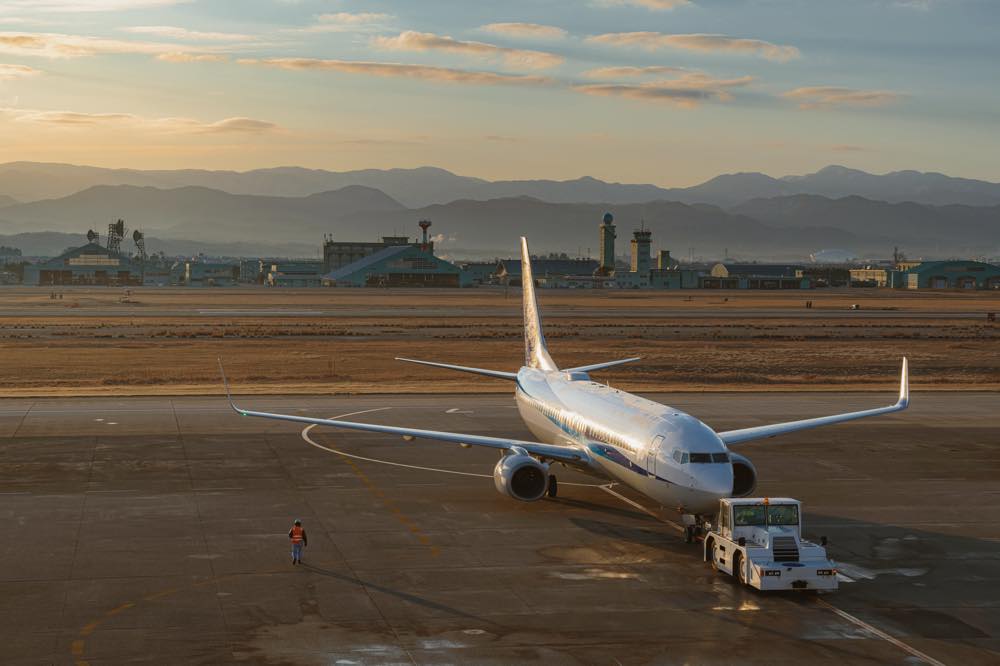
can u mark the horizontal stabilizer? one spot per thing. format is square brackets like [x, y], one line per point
[499, 374]
[602, 366]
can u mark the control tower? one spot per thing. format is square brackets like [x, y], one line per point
[641, 261]
[607, 266]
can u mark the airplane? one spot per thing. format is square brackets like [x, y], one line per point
[666, 455]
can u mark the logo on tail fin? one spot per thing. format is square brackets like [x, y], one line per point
[536, 355]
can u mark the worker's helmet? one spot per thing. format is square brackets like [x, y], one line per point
[298, 522]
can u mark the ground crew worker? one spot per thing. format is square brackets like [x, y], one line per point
[298, 536]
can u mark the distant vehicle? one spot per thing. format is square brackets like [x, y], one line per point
[669, 456]
[759, 542]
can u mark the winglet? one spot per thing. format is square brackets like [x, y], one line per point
[904, 386]
[229, 395]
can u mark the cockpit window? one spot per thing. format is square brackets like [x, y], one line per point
[782, 514]
[749, 514]
[720, 457]
[677, 455]
[701, 457]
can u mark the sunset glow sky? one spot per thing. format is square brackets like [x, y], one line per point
[664, 91]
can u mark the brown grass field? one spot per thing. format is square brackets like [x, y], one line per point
[166, 341]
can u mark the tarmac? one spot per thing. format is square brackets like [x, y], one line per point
[154, 530]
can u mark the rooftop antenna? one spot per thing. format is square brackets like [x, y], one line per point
[140, 244]
[116, 232]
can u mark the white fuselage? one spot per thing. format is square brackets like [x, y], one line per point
[634, 441]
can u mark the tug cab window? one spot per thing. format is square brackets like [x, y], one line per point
[749, 514]
[782, 514]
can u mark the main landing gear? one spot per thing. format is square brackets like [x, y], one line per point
[553, 486]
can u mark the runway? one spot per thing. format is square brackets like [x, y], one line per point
[154, 530]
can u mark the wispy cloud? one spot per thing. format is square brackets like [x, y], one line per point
[76, 119]
[411, 40]
[80, 6]
[183, 34]
[184, 57]
[54, 45]
[11, 72]
[347, 22]
[821, 97]
[632, 72]
[655, 5]
[525, 30]
[400, 70]
[653, 41]
[687, 91]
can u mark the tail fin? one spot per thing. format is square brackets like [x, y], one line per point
[536, 355]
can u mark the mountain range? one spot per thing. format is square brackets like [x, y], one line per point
[424, 186]
[778, 227]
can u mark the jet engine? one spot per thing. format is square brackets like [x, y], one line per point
[520, 476]
[744, 475]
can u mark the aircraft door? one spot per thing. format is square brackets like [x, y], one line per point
[654, 448]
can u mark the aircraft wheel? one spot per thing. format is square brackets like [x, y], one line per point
[710, 554]
[553, 486]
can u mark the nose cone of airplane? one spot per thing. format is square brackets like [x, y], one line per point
[715, 479]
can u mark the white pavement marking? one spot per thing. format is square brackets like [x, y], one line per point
[878, 633]
[881, 634]
[310, 441]
[679, 528]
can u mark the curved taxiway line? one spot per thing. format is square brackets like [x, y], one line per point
[309, 440]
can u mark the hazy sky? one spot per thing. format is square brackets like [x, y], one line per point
[663, 91]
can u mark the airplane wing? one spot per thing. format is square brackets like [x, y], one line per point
[563, 454]
[760, 432]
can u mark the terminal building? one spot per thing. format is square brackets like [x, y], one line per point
[548, 271]
[294, 274]
[756, 276]
[396, 262]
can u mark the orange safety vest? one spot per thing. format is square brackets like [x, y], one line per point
[297, 534]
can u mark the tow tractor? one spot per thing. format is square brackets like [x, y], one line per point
[759, 541]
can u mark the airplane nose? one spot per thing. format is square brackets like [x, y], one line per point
[717, 480]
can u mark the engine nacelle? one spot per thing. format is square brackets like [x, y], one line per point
[744, 475]
[520, 476]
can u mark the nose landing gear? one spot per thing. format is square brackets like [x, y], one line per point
[695, 527]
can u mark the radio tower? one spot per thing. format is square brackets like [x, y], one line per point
[116, 232]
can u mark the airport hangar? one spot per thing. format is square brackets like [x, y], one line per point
[90, 264]
[953, 275]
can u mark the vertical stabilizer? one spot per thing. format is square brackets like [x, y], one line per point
[536, 355]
